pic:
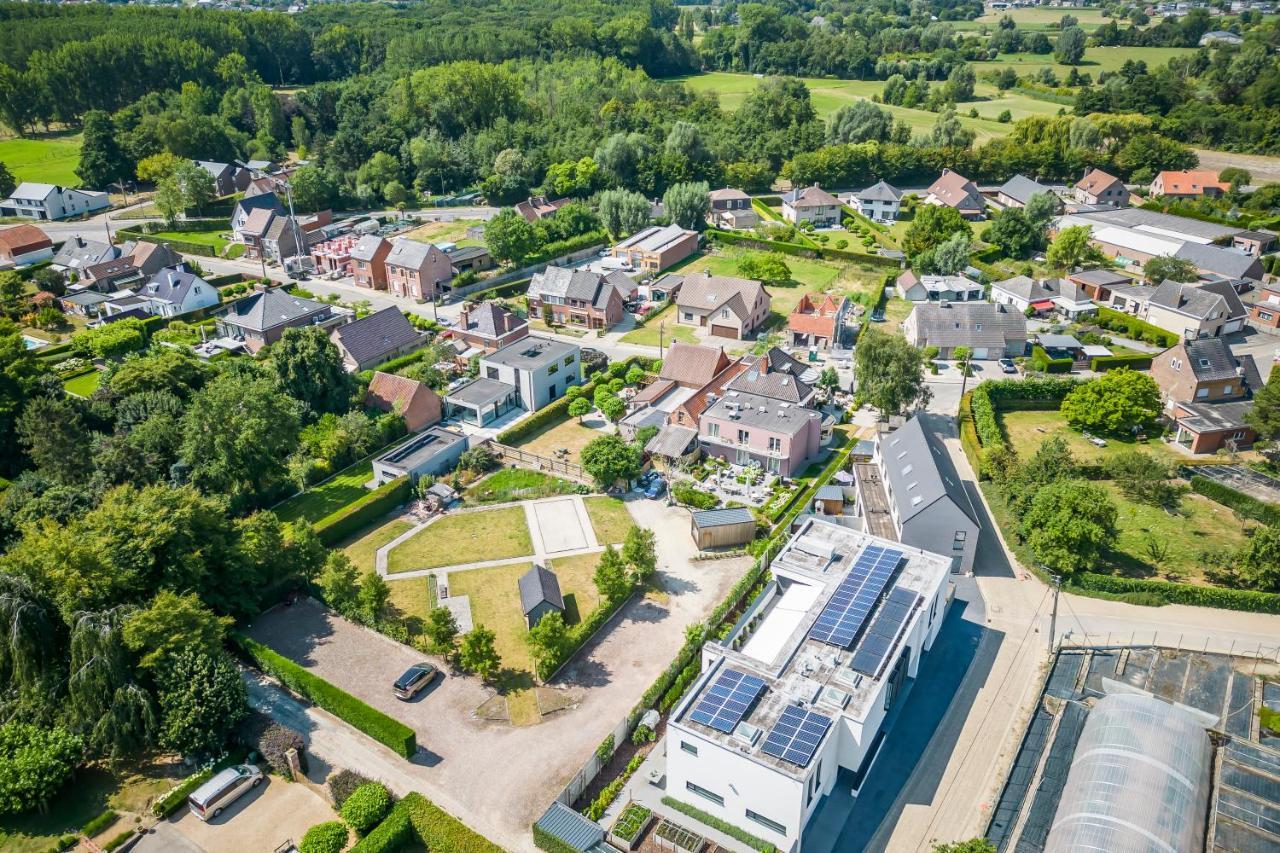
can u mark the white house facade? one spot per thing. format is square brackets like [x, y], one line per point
[51, 202]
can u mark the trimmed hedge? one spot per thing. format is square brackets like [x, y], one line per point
[358, 514]
[1133, 328]
[183, 246]
[556, 411]
[99, 823]
[559, 248]
[1246, 505]
[1041, 361]
[366, 807]
[1111, 362]
[417, 818]
[328, 837]
[371, 721]
[724, 826]
[546, 841]
[1180, 593]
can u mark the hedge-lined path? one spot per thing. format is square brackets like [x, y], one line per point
[464, 754]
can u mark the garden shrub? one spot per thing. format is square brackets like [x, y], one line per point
[1246, 505]
[359, 514]
[343, 783]
[688, 495]
[328, 837]
[99, 823]
[716, 823]
[371, 721]
[1111, 362]
[119, 840]
[274, 743]
[1041, 362]
[1133, 328]
[1181, 593]
[417, 818]
[366, 807]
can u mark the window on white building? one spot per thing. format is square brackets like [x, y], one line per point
[713, 429]
[764, 821]
[704, 793]
[688, 747]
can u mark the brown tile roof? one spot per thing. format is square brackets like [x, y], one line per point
[955, 190]
[1095, 182]
[708, 293]
[815, 314]
[1190, 183]
[692, 365]
[726, 194]
[21, 239]
[419, 405]
[699, 402]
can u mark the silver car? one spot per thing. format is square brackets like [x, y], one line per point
[223, 789]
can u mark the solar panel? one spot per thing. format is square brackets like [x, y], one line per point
[796, 735]
[726, 701]
[878, 641]
[856, 596]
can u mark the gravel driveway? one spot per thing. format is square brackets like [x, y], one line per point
[495, 777]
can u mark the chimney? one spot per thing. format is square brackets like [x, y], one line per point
[464, 317]
[79, 242]
[763, 366]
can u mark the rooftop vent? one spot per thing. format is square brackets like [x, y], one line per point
[747, 734]
[834, 696]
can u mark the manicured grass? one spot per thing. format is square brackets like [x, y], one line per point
[609, 519]
[896, 311]
[1028, 430]
[648, 335]
[446, 232]
[362, 549]
[83, 385]
[517, 484]
[410, 601]
[50, 160]
[577, 584]
[1199, 525]
[331, 496]
[567, 435]
[214, 238]
[495, 534]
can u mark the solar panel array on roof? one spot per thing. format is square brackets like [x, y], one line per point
[878, 641]
[726, 702]
[796, 735]
[856, 596]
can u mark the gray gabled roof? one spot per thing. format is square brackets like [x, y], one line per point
[956, 324]
[920, 472]
[539, 585]
[583, 285]
[173, 285]
[377, 335]
[1225, 262]
[1200, 301]
[880, 191]
[774, 384]
[1211, 360]
[1020, 188]
[269, 309]
[409, 253]
[367, 247]
[77, 253]
[570, 827]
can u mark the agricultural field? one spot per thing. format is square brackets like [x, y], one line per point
[1096, 59]
[447, 232]
[49, 159]
[1036, 18]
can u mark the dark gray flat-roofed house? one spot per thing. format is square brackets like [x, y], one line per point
[371, 340]
[540, 369]
[539, 595]
[928, 502]
[718, 528]
[481, 401]
[432, 452]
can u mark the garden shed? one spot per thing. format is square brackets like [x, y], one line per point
[829, 500]
[721, 528]
[539, 594]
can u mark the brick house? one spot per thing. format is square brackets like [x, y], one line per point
[725, 306]
[379, 337]
[1188, 184]
[582, 298]
[417, 270]
[24, 244]
[817, 320]
[1097, 188]
[655, 248]
[1264, 313]
[369, 262]
[1207, 390]
[415, 402]
[488, 327]
[954, 190]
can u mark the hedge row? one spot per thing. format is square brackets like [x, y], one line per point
[754, 242]
[1246, 505]
[552, 413]
[501, 291]
[1041, 361]
[1110, 362]
[338, 525]
[371, 721]
[417, 819]
[1133, 328]
[170, 802]
[1180, 593]
[993, 396]
[716, 823]
[560, 248]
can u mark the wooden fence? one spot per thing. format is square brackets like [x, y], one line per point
[525, 459]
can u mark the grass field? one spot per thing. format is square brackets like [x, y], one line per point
[517, 484]
[83, 385]
[1095, 59]
[1036, 18]
[566, 435]
[1028, 430]
[361, 549]
[495, 534]
[317, 502]
[577, 583]
[649, 335]
[50, 159]
[446, 232]
[495, 603]
[609, 519]
[215, 239]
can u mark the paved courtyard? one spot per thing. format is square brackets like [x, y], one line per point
[560, 524]
[495, 777]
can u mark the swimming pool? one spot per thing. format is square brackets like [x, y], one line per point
[33, 343]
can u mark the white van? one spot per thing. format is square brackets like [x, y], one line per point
[223, 789]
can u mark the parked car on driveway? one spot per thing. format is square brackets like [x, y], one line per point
[1007, 365]
[223, 789]
[415, 680]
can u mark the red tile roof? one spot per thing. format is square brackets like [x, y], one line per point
[21, 239]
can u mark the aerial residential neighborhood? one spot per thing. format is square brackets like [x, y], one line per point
[593, 428]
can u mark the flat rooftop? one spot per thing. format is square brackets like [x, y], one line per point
[424, 447]
[531, 353]
[481, 392]
[794, 666]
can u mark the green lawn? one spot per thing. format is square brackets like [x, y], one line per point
[650, 334]
[83, 385]
[577, 583]
[362, 549]
[1095, 59]
[447, 232]
[51, 159]
[214, 238]
[569, 435]
[517, 484]
[896, 311]
[1027, 430]
[410, 602]
[329, 497]
[609, 519]
[1037, 18]
[495, 534]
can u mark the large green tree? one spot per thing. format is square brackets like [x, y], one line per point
[311, 370]
[105, 704]
[102, 160]
[1264, 416]
[56, 438]
[19, 376]
[478, 653]
[889, 372]
[1118, 401]
[202, 701]
[548, 641]
[170, 624]
[1168, 268]
[510, 238]
[610, 458]
[1069, 524]
[1072, 248]
[932, 225]
[687, 204]
[34, 764]
[623, 212]
[1013, 232]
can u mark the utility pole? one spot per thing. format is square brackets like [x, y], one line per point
[1053, 618]
[299, 245]
[662, 327]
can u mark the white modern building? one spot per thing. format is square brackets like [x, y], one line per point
[799, 690]
[50, 201]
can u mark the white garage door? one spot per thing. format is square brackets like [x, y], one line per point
[979, 353]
